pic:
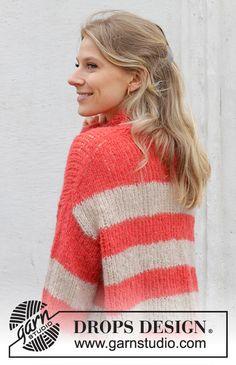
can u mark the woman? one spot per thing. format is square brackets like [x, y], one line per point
[124, 237]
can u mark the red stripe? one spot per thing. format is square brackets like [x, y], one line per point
[151, 284]
[147, 230]
[71, 247]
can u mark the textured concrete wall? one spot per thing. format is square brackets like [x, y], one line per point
[39, 120]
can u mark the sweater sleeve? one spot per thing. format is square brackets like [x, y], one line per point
[75, 263]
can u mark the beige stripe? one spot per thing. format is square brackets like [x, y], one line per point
[70, 289]
[186, 301]
[97, 316]
[126, 202]
[179, 302]
[96, 308]
[138, 259]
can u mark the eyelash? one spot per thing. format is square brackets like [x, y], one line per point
[88, 64]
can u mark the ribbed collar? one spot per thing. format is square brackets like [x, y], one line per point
[119, 118]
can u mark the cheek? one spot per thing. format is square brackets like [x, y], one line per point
[112, 80]
[114, 88]
[109, 87]
[113, 95]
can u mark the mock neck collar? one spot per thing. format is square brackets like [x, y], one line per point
[119, 118]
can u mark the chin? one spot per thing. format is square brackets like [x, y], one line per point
[85, 114]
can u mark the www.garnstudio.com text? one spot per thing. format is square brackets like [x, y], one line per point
[162, 343]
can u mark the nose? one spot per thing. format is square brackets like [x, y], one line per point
[75, 79]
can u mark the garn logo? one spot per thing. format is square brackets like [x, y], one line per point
[34, 325]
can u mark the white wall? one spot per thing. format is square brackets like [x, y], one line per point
[39, 41]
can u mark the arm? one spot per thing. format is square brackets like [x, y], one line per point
[75, 264]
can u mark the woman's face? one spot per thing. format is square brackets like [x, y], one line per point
[108, 83]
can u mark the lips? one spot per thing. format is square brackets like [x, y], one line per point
[83, 96]
[84, 92]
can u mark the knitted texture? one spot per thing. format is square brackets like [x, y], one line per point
[122, 242]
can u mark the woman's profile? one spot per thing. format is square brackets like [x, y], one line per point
[124, 236]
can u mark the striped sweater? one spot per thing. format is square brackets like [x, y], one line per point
[122, 242]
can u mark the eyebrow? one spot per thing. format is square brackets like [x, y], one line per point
[88, 58]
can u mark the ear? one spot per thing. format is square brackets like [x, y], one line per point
[135, 80]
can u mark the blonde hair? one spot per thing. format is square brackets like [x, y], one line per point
[157, 108]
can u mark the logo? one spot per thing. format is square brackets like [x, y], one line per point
[34, 326]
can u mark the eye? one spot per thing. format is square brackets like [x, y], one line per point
[88, 64]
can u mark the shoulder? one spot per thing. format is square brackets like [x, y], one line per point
[87, 154]
[94, 154]
[96, 140]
